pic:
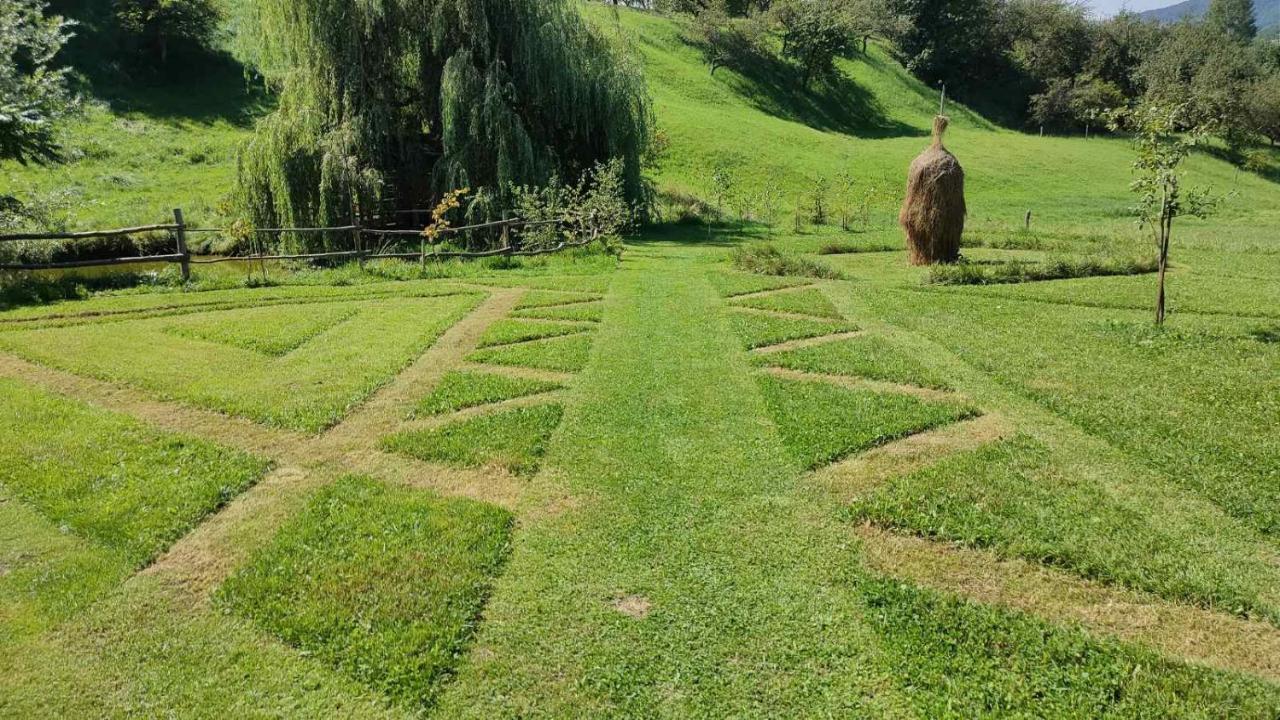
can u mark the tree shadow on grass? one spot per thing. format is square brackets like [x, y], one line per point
[203, 87]
[1269, 170]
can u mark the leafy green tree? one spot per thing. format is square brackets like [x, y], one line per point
[392, 103]
[1050, 39]
[155, 26]
[33, 93]
[1233, 18]
[814, 33]
[1162, 145]
[951, 41]
[1264, 108]
[1120, 44]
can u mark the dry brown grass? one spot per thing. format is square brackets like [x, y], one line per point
[934, 210]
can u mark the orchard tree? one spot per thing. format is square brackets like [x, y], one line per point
[814, 33]
[33, 93]
[1162, 145]
[1264, 108]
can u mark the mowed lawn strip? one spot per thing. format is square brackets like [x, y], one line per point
[385, 584]
[508, 331]
[307, 390]
[459, 390]
[270, 330]
[760, 330]
[821, 423]
[118, 493]
[868, 356]
[563, 354]
[1024, 500]
[515, 439]
[957, 659]
[809, 302]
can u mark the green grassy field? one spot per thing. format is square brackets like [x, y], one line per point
[664, 486]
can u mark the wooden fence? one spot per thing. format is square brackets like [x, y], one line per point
[359, 234]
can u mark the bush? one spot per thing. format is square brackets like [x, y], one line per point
[1019, 271]
[766, 259]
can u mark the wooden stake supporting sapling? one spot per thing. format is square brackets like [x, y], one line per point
[934, 211]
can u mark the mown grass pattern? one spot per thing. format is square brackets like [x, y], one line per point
[1014, 497]
[809, 302]
[956, 659]
[383, 583]
[733, 284]
[459, 390]
[272, 331]
[553, 298]
[867, 356]
[581, 312]
[508, 331]
[515, 439]
[563, 354]
[761, 330]
[821, 423]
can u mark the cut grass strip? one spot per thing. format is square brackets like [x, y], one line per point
[1019, 271]
[565, 354]
[820, 423]
[515, 439]
[809, 302]
[1014, 497]
[459, 390]
[865, 356]
[732, 284]
[88, 496]
[507, 332]
[385, 584]
[270, 330]
[109, 478]
[963, 660]
[760, 330]
[553, 298]
[582, 312]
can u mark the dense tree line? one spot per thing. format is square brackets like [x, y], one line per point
[1042, 63]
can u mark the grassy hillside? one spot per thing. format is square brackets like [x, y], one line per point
[871, 121]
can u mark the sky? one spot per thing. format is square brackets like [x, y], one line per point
[1107, 8]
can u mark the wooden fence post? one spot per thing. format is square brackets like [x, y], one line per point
[357, 233]
[181, 234]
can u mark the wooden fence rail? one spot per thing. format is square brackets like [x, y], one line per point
[183, 256]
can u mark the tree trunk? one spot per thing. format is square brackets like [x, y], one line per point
[1166, 227]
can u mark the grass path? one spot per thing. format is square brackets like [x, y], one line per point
[694, 577]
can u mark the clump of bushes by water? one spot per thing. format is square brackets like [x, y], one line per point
[767, 259]
[1020, 271]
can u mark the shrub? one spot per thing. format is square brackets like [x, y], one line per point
[1018, 271]
[766, 259]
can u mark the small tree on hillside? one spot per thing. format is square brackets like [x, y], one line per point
[1161, 148]
[814, 33]
[33, 94]
[154, 26]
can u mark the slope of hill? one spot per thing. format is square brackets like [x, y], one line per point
[870, 122]
[1267, 12]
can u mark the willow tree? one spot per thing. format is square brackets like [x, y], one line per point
[392, 103]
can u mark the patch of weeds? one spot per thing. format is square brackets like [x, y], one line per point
[1012, 496]
[385, 584]
[967, 660]
[580, 312]
[552, 298]
[515, 439]
[844, 248]
[459, 390]
[272, 331]
[867, 356]
[563, 354]
[1018, 271]
[734, 284]
[801, 302]
[506, 332]
[821, 423]
[1266, 334]
[757, 330]
[766, 259]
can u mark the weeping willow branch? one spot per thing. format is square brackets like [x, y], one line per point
[388, 104]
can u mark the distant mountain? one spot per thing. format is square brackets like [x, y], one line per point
[1266, 11]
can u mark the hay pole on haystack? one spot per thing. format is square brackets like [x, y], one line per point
[934, 211]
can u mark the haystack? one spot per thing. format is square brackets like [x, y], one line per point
[933, 213]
